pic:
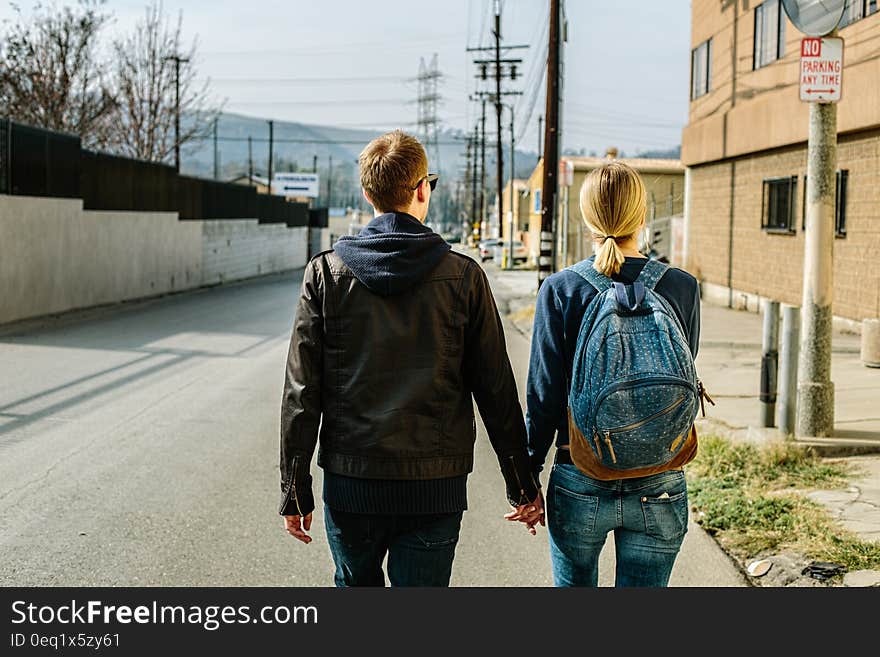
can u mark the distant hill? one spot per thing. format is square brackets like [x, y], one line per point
[297, 144]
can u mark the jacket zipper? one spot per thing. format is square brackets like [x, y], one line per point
[293, 486]
[522, 491]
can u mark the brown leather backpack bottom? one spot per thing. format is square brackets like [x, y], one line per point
[585, 459]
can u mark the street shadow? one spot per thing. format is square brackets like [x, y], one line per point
[239, 320]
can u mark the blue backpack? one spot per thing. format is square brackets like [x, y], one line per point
[634, 392]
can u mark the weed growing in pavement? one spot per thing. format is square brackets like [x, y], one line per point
[752, 499]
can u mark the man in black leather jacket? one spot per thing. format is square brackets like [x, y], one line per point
[395, 336]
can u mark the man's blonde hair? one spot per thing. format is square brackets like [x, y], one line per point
[613, 204]
[390, 166]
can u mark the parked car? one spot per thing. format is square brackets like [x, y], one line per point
[487, 249]
[502, 249]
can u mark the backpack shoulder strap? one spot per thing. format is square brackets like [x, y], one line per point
[651, 273]
[594, 278]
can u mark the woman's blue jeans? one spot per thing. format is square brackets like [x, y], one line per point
[648, 516]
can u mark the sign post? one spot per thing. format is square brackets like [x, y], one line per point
[821, 80]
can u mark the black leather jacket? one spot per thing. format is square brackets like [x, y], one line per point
[391, 379]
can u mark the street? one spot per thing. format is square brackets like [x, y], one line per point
[139, 447]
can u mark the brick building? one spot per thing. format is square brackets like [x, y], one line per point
[745, 146]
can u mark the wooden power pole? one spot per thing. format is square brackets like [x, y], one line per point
[551, 149]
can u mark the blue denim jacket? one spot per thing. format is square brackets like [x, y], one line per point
[562, 300]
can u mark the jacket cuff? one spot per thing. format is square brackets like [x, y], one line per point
[519, 478]
[297, 498]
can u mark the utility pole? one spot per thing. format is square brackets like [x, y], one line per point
[551, 149]
[216, 154]
[177, 59]
[512, 219]
[815, 403]
[540, 134]
[271, 153]
[474, 220]
[482, 173]
[315, 163]
[499, 158]
[467, 179]
[496, 97]
[330, 184]
[250, 161]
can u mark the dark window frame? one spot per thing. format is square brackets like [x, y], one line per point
[841, 184]
[768, 186]
[759, 58]
[701, 87]
[863, 9]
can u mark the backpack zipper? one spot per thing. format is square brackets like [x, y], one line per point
[610, 446]
[638, 383]
[635, 425]
[598, 445]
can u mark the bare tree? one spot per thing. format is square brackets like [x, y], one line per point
[144, 84]
[50, 72]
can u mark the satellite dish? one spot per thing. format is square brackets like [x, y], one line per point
[815, 18]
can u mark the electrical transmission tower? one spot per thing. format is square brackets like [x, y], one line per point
[429, 98]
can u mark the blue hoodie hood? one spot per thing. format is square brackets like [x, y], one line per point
[392, 253]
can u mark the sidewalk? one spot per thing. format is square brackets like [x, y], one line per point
[729, 363]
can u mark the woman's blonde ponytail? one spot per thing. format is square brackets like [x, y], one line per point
[613, 204]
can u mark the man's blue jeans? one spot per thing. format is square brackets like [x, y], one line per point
[420, 548]
[648, 516]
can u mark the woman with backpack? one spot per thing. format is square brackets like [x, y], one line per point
[590, 493]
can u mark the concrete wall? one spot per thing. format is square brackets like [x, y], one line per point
[232, 250]
[54, 256]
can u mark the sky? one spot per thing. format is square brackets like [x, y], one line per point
[353, 63]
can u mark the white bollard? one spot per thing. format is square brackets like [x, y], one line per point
[871, 342]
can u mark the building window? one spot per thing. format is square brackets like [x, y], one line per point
[839, 204]
[769, 33]
[856, 10]
[701, 69]
[778, 203]
[536, 195]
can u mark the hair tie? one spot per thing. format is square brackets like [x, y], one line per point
[608, 237]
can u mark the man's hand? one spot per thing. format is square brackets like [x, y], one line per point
[529, 514]
[298, 530]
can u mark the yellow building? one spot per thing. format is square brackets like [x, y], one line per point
[745, 146]
[664, 183]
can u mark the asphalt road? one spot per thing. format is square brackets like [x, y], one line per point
[139, 447]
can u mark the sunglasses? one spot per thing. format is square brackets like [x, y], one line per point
[432, 181]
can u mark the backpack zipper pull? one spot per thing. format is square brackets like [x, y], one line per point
[610, 446]
[704, 395]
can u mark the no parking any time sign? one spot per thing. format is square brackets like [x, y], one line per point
[821, 69]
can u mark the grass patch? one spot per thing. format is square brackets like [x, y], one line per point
[750, 498]
[524, 314]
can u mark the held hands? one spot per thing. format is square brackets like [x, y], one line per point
[529, 514]
[298, 529]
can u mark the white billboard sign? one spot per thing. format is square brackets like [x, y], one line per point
[296, 184]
